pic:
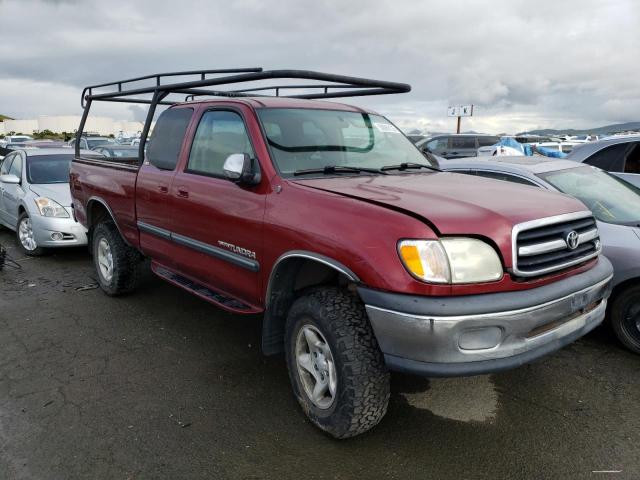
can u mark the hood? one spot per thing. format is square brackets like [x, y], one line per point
[59, 192]
[455, 204]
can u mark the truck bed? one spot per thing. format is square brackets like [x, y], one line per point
[106, 184]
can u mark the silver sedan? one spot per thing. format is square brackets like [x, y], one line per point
[35, 200]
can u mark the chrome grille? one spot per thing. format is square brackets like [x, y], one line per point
[549, 244]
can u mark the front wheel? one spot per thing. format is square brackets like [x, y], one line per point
[26, 238]
[625, 317]
[336, 367]
[117, 264]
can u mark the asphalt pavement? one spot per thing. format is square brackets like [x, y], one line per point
[162, 385]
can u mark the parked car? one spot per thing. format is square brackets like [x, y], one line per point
[14, 139]
[361, 255]
[415, 137]
[619, 155]
[616, 206]
[89, 143]
[45, 144]
[456, 145]
[35, 200]
[110, 150]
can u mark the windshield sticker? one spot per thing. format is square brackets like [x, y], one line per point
[386, 127]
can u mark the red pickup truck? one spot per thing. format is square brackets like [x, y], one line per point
[363, 257]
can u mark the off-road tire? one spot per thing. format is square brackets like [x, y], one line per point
[362, 392]
[126, 261]
[623, 301]
[36, 252]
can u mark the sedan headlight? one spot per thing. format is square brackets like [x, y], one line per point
[50, 208]
[451, 260]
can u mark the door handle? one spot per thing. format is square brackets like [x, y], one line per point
[183, 192]
[163, 189]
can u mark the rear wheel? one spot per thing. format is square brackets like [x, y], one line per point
[336, 367]
[625, 317]
[117, 264]
[26, 238]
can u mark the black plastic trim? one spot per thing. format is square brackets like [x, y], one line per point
[230, 257]
[240, 261]
[157, 231]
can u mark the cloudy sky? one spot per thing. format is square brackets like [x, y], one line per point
[524, 64]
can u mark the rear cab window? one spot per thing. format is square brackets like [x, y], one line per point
[168, 135]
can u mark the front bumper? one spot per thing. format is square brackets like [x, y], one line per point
[476, 334]
[74, 234]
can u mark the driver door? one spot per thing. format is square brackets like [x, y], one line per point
[11, 193]
[217, 223]
[4, 170]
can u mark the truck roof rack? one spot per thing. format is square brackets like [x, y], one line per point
[228, 83]
[123, 91]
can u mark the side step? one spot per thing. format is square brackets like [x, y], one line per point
[217, 298]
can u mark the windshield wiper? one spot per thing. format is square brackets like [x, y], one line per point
[331, 169]
[409, 166]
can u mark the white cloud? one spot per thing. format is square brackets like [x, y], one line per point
[524, 64]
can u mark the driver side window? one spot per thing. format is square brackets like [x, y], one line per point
[6, 164]
[16, 167]
[220, 133]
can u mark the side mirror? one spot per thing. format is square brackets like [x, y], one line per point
[9, 179]
[239, 168]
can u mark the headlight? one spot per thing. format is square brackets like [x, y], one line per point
[450, 260]
[50, 208]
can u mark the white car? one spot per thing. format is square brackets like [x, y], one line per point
[35, 200]
[13, 139]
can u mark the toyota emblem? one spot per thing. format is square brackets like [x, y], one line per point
[572, 240]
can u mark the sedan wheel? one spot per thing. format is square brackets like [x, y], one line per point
[25, 234]
[26, 238]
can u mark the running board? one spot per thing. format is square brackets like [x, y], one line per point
[212, 296]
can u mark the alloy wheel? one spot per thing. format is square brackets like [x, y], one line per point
[25, 234]
[105, 260]
[316, 367]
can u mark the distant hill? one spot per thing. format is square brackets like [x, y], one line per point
[4, 117]
[606, 130]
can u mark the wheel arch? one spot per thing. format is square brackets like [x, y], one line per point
[622, 286]
[97, 211]
[292, 273]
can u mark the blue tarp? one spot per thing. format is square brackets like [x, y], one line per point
[527, 150]
[512, 143]
[551, 153]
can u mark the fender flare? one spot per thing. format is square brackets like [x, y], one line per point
[274, 317]
[109, 211]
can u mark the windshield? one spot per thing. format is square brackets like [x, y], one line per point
[301, 139]
[19, 139]
[48, 169]
[610, 199]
